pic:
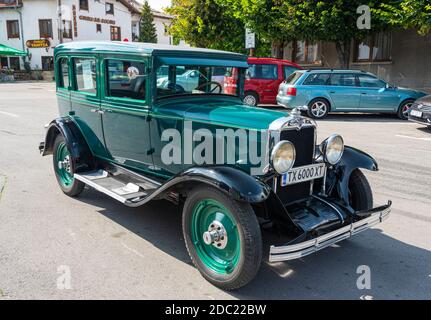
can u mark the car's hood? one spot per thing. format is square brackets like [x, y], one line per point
[412, 92]
[425, 100]
[224, 113]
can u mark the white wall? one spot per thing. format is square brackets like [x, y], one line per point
[160, 27]
[33, 10]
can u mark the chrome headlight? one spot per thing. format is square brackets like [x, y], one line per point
[332, 149]
[283, 156]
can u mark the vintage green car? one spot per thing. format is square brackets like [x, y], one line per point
[234, 170]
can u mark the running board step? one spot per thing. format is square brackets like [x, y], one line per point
[121, 187]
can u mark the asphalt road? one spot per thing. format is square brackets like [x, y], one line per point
[116, 252]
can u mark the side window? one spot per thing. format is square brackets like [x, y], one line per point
[263, 71]
[126, 79]
[343, 79]
[317, 79]
[368, 81]
[64, 73]
[85, 74]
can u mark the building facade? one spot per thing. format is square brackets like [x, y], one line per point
[401, 57]
[162, 22]
[37, 26]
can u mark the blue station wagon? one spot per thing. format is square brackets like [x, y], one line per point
[321, 91]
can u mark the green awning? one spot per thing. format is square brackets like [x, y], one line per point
[8, 51]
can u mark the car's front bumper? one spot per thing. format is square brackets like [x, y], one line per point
[426, 120]
[302, 249]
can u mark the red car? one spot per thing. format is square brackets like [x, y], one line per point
[263, 78]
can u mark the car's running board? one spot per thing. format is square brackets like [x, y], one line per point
[117, 187]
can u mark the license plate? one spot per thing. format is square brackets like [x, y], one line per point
[302, 174]
[416, 113]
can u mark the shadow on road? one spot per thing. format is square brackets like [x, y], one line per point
[425, 129]
[363, 117]
[329, 274]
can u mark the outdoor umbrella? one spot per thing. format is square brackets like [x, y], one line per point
[8, 51]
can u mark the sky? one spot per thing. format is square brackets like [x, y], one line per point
[158, 4]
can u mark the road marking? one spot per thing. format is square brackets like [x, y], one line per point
[13, 115]
[133, 250]
[410, 137]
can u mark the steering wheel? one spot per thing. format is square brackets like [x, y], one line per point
[210, 83]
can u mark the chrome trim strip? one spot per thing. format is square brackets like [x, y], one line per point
[96, 186]
[295, 251]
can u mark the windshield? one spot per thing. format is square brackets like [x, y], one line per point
[176, 80]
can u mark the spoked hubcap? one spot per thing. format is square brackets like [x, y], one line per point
[250, 100]
[215, 236]
[318, 109]
[64, 166]
[406, 109]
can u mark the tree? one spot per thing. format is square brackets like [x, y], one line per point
[209, 24]
[147, 29]
[314, 20]
[407, 14]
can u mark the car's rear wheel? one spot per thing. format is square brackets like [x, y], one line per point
[251, 99]
[222, 237]
[318, 108]
[360, 193]
[64, 169]
[404, 109]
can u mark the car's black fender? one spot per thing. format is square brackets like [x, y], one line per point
[78, 147]
[338, 177]
[236, 183]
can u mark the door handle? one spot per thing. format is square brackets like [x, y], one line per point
[331, 91]
[363, 93]
[99, 111]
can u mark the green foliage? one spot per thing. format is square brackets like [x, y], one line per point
[147, 29]
[407, 14]
[209, 24]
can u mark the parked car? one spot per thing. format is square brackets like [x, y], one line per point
[420, 111]
[263, 78]
[321, 91]
[199, 150]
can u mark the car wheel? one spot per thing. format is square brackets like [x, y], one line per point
[63, 168]
[318, 108]
[222, 237]
[251, 99]
[404, 109]
[360, 193]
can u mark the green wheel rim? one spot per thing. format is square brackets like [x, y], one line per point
[205, 213]
[63, 165]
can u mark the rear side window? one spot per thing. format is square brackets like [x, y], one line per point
[294, 77]
[288, 70]
[126, 79]
[343, 79]
[64, 73]
[317, 79]
[85, 74]
[263, 71]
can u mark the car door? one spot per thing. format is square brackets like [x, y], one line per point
[63, 85]
[263, 78]
[85, 101]
[344, 92]
[124, 111]
[375, 96]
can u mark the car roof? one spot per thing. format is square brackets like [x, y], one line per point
[271, 60]
[142, 48]
[336, 70]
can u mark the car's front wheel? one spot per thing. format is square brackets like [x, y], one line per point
[63, 168]
[251, 99]
[318, 108]
[360, 193]
[222, 237]
[404, 109]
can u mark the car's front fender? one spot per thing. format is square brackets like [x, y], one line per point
[338, 177]
[236, 183]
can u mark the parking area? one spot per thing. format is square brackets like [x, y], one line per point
[117, 252]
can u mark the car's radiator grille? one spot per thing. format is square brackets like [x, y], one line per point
[303, 140]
